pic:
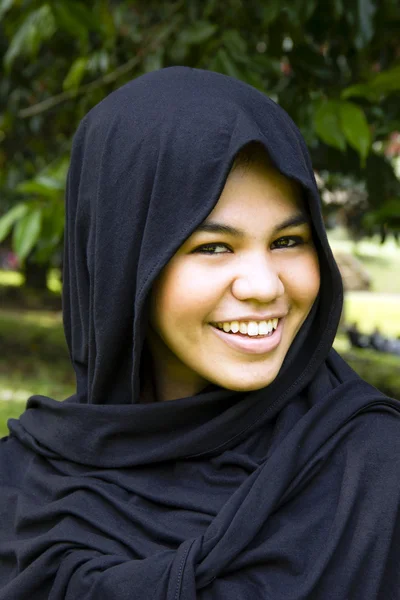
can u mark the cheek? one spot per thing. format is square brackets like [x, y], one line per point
[182, 294]
[303, 281]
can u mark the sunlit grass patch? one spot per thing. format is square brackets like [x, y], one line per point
[9, 410]
[11, 278]
[16, 279]
[381, 261]
[54, 281]
[56, 382]
[39, 318]
[374, 310]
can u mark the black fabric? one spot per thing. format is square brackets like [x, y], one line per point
[289, 492]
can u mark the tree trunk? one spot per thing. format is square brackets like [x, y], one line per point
[36, 276]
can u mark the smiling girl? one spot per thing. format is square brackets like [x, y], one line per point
[216, 447]
[238, 290]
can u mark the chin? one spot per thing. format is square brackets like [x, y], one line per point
[245, 385]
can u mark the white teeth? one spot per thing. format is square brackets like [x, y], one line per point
[263, 328]
[243, 327]
[251, 328]
[235, 326]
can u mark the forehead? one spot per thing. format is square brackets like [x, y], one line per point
[258, 189]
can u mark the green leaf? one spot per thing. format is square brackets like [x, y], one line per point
[57, 170]
[153, 61]
[106, 21]
[51, 231]
[40, 187]
[98, 62]
[235, 45]
[7, 221]
[337, 8]
[360, 89]
[26, 233]
[307, 9]
[223, 63]
[298, 12]
[387, 81]
[270, 12]
[327, 124]
[75, 73]
[38, 27]
[197, 33]
[209, 7]
[355, 128]
[49, 183]
[5, 5]
[381, 84]
[75, 19]
[366, 12]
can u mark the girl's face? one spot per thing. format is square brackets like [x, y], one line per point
[250, 267]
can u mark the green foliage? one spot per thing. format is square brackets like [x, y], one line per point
[76, 73]
[26, 232]
[355, 128]
[380, 370]
[15, 214]
[328, 126]
[38, 223]
[332, 64]
[35, 29]
[338, 122]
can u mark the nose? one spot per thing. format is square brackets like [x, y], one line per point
[258, 280]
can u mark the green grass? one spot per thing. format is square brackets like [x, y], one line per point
[9, 410]
[371, 310]
[11, 278]
[382, 261]
[35, 360]
[381, 370]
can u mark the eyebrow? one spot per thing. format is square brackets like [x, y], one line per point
[213, 227]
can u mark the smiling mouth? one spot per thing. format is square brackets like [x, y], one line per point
[251, 342]
[246, 335]
[248, 329]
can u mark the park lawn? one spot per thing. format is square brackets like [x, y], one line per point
[370, 310]
[15, 279]
[9, 410]
[382, 261]
[35, 360]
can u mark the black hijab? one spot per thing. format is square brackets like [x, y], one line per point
[289, 492]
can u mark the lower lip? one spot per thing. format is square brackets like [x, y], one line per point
[251, 345]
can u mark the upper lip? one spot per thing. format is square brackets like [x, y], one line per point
[253, 318]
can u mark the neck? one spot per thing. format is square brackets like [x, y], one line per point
[166, 378]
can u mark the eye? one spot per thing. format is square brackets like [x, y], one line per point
[289, 241]
[211, 249]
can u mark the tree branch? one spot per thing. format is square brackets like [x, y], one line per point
[49, 103]
[157, 40]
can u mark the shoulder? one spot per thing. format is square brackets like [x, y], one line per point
[369, 444]
[379, 424]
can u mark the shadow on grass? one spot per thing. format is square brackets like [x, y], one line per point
[370, 259]
[9, 410]
[34, 359]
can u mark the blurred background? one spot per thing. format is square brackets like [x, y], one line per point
[333, 65]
